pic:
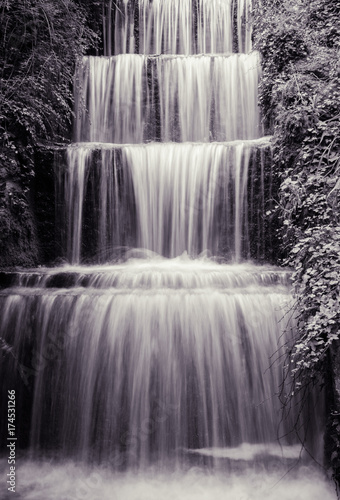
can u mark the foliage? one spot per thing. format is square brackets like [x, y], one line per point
[317, 264]
[300, 98]
[40, 42]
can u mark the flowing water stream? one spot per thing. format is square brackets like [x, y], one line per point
[153, 364]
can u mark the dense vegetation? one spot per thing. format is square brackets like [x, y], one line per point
[300, 97]
[40, 42]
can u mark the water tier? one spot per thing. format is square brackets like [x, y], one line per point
[167, 198]
[152, 360]
[157, 273]
[177, 26]
[134, 98]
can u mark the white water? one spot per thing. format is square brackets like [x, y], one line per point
[158, 362]
[171, 197]
[77, 169]
[181, 27]
[45, 479]
[132, 98]
[181, 194]
[168, 368]
[153, 272]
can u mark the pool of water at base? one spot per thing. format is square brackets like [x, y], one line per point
[68, 480]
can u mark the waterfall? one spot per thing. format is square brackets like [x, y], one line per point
[168, 98]
[155, 355]
[179, 27]
[175, 350]
[173, 198]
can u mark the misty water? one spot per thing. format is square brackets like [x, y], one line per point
[71, 481]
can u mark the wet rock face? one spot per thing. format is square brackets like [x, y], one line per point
[27, 216]
[18, 241]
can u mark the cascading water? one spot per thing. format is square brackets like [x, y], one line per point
[173, 198]
[168, 98]
[155, 372]
[178, 335]
[178, 27]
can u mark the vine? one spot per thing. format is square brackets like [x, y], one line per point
[300, 97]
